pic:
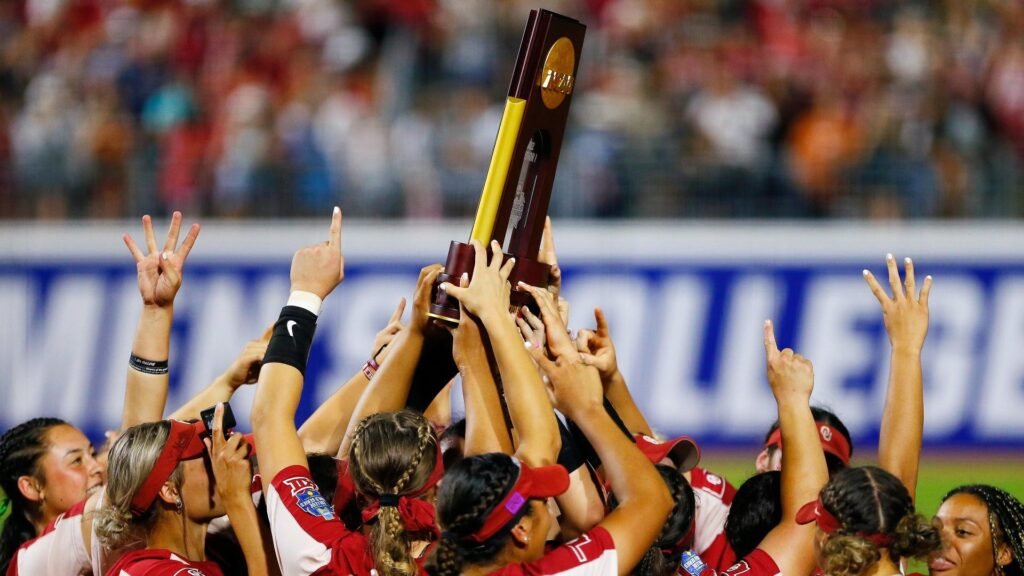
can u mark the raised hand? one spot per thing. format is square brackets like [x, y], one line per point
[467, 339]
[419, 319]
[229, 459]
[596, 347]
[547, 256]
[906, 313]
[159, 272]
[559, 344]
[246, 367]
[388, 333]
[790, 375]
[487, 295]
[321, 267]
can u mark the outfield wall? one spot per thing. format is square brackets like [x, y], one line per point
[685, 303]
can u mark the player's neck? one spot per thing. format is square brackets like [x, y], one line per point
[885, 567]
[183, 537]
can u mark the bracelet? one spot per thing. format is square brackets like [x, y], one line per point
[152, 367]
[292, 338]
[370, 368]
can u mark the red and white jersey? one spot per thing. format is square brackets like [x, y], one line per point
[161, 563]
[713, 495]
[757, 563]
[59, 550]
[309, 538]
[591, 554]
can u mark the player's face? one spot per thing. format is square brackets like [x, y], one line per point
[70, 473]
[198, 490]
[966, 538]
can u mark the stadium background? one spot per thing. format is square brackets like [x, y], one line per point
[725, 161]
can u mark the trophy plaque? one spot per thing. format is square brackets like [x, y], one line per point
[517, 190]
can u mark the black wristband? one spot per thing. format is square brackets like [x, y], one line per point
[292, 338]
[152, 367]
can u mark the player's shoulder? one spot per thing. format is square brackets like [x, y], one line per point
[711, 483]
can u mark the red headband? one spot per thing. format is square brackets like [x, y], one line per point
[816, 512]
[184, 442]
[539, 482]
[832, 441]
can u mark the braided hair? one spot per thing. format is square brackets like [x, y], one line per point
[1006, 522]
[870, 501]
[471, 489]
[21, 448]
[393, 453]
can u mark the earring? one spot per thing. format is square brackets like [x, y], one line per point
[178, 505]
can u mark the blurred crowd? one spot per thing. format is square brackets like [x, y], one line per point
[684, 108]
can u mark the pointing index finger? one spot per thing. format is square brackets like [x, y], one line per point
[335, 237]
[770, 346]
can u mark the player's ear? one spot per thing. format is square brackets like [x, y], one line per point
[763, 461]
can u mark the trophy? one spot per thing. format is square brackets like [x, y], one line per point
[517, 190]
[514, 201]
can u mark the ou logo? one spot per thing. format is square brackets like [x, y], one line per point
[826, 433]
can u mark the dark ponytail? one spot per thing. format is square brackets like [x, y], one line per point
[20, 450]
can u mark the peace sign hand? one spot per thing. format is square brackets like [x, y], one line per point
[159, 272]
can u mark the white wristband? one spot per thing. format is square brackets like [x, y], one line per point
[306, 301]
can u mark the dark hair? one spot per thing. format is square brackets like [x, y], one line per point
[756, 510]
[828, 418]
[1006, 521]
[655, 562]
[470, 490]
[20, 450]
[450, 442]
[867, 501]
[393, 453]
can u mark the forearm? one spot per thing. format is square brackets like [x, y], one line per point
[145, 395]
[485, 420]
[581, 505]
[245, 524]
[804, 472]
[273, 419]
[389, 389]
[620, 398]
[322, 431]
[525, 395]
[220, 390]
[899, 442]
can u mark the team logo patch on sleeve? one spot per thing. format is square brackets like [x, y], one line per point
[307, 497]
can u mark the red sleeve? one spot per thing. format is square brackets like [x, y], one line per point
[757, 563]
[590, 554]
[308, 535]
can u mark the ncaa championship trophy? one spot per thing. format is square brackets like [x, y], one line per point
[514, 201]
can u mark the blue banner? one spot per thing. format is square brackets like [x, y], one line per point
[687, 329]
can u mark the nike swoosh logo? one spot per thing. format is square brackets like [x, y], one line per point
[289, 325]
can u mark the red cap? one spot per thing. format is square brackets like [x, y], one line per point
[683, 451]
[183, 443]
[832, 442]
[539, 482]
